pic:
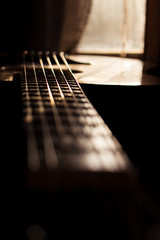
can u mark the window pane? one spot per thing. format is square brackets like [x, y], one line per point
[115, 26]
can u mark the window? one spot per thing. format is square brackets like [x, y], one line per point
[116, 26]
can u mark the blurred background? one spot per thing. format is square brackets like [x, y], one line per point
[115, 26]
[88, 26]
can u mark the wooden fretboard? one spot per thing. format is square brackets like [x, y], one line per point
[64, 131]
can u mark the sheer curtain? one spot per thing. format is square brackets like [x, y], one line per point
[115, 26]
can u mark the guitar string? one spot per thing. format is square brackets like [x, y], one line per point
[51, 160]
[65, 90]
[112, 161]
[33, 160]
[59, 126]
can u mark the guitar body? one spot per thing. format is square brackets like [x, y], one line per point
[64, 172]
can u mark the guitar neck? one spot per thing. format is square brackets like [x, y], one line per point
[64, 135]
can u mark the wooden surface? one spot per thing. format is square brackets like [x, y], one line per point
[113, 70]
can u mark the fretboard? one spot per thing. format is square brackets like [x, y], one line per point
[64, 131]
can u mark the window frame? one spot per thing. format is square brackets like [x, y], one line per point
[152, 32]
